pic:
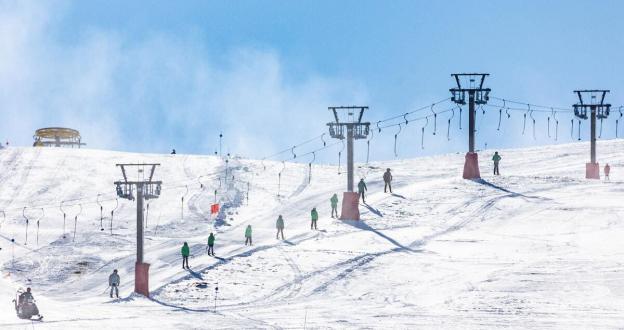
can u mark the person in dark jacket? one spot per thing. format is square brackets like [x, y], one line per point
[387, 177]
[248, 235]
[334, 205]
[280, 227]
[496, 158]
[314, 216]
[361, 189]
[211, 241]
[113, 282]
[186, 252]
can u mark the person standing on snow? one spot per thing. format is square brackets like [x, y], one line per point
[248, 235]
[496, 158]
[314, 216]
[607, 169]
[361, 189]
[334, 205]
[387, 177]
[211, 240]
[113, 282]
[280, 227]
[186, 252]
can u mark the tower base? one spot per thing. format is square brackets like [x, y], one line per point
[592, 171]
[350, 206]
[471, 166]
[141, 278]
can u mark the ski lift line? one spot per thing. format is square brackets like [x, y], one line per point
[76, 222]
[500, 115]
[579, 130]
[113, 214]
[524, 109]
[563, 109]
[292, 147]
[403, 115]
[435, 120]
[395, 141]
[417, 119]
[422, 134]
[448, 129]
[372, 135]
[533, 119]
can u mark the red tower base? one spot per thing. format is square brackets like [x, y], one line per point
[471, 166]
[350, 206]
[592, 171]
[141, 278]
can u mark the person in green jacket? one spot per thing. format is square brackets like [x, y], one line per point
[314, 216]
[186, 252]
[361, 189]
[211, 240]
[280, 227]
[334, 205]
[496, 158]
[248, 235]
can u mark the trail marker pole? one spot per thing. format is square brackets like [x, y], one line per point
[471, 83]
[598, 109]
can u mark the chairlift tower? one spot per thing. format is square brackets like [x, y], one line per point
[471, 83]
[145, 189]
[355, 130]
[597, 109]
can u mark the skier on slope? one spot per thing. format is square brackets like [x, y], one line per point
[387, 177]
[248, 235]
[314, 216]
[361, 189]
[186, 252]
[280, 227]
[113, 282]
[211, 240]
[334, 205]
[496, 158]
[607, 170]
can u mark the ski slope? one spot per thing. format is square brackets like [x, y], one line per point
[538, 247]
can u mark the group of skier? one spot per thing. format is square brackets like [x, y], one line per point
[114, 279]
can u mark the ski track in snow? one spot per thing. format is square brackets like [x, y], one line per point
[536, 248]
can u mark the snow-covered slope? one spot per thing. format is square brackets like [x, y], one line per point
[538, 247]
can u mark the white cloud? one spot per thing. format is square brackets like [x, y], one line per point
[152, 94]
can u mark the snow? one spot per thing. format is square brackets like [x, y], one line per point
[538, 247]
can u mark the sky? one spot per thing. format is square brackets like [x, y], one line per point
[149, 76]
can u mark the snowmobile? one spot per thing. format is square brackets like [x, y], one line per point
[25, 307]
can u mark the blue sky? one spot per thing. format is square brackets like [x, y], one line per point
[154, 75]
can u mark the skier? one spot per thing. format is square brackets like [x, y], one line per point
[361, 189]
[173, 152]
[185, 255]
[607, 169]
[248, 235]
[280, 227]
[334, 205]
[496, 158]
[211, 240]
[314, 216]
[387, 177]
[113, 282]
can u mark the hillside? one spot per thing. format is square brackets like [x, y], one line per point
[538, 247]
